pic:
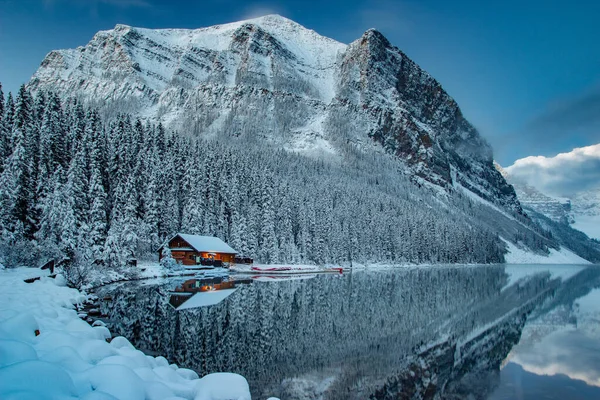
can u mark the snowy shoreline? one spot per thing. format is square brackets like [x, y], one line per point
[514, 256]
[41, 335]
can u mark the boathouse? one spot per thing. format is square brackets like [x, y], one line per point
[195, 249]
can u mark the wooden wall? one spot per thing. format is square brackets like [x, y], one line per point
[188, 257]
[185, 257]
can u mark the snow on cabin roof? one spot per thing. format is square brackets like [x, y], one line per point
[208, 244]
[203, 299]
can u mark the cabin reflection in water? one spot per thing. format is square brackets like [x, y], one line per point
[195, 293]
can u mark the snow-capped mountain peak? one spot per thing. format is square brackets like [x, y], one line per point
[273, 79]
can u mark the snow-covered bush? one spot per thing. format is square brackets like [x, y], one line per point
[77, 270]
[82, 271]
[167, 261]
[15, 250]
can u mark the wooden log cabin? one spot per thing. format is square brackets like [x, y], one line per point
[192, 249]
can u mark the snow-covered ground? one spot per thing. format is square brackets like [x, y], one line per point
[48, 352]
[516, 255]
[149, 269]
[272, 269]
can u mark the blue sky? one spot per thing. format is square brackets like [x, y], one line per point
[525, 73]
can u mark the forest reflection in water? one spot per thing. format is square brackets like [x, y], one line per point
[426, 332]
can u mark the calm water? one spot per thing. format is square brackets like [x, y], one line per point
[482, 332]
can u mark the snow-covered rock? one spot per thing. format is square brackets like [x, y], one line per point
[556, 209]
[223, 386]
[581, 211]
[47, 352]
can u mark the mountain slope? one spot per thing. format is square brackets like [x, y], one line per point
[586, 212]
[558, 210]
[270, 80]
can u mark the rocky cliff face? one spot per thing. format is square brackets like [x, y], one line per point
[273, 81]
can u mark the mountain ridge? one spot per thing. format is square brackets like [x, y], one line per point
[270, 79]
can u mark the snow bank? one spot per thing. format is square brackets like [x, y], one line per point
[516, 255]
[47, 352]
[150, 269]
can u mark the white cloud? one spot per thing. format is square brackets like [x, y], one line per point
[259, 10]
[562, 175]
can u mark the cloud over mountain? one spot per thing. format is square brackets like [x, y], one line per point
[563, 174]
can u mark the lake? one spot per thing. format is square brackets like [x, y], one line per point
[482, 332]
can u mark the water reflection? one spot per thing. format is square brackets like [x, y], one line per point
[558, 355]
[194, 293]
[518, 383]
[399, 333]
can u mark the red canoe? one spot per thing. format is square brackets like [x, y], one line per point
[271, 269]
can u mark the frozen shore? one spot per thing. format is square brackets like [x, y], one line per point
[48, 352]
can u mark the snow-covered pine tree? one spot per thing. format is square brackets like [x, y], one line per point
[64, 218]
[97, 216]
[167, 260]
[9, 119]
[4, 133]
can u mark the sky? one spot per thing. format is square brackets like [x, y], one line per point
[525, 73]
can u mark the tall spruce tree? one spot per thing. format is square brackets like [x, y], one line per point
[4, 133]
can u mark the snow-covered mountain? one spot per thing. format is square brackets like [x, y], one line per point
[581, 211]
[557, 209]
[571, 176]
[270, 80]
[586, 212]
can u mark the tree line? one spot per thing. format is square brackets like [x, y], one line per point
[75, 185]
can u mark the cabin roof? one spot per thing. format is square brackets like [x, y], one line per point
[202, 299]
[206, 244]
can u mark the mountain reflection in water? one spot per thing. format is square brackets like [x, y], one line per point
[435, 332]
